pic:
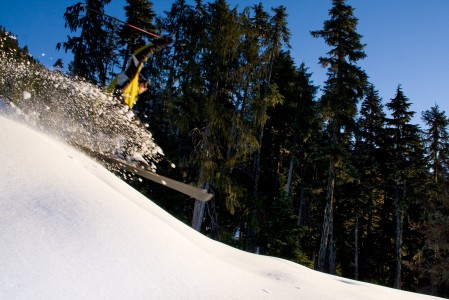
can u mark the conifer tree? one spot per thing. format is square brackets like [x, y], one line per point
[94, 42]
[406, 171]
[213, 99]
[218, 62]
[288, 152]
[273, 34]
[343, 89]
[436, 138]
[139, 13]
[430, 261]
[179, 111]
[11, 46]
[265, 37]
[369, 156]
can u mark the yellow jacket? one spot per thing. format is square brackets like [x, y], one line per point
[127, 82]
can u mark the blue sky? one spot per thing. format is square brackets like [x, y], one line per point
[407, 40]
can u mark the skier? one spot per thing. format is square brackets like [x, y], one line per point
[130, 83]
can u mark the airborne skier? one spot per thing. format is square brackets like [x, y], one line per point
[130, 83]
[126, 86]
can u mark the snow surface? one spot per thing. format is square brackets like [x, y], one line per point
[69, 229]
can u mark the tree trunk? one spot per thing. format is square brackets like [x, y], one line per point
[356, 247]
[301, 195]
[331, 252]
[260, 133]
[199, 207]
[398, 247]
[290, 177]
[198, 211]
[301, 205]
[256, 166]
[198, 214]
[326, 251]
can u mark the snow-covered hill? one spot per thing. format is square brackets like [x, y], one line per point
[69, 229]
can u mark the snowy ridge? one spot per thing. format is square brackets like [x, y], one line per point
[74, 110]
[72, 230]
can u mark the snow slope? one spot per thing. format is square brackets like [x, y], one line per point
[69, 229]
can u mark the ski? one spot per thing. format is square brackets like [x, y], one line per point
[187, 189]
[192, 191]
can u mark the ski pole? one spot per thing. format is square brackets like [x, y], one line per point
[123, 22]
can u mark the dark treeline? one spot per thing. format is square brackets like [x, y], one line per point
[337, 182]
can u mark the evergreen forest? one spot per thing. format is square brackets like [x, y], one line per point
[333, 178]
